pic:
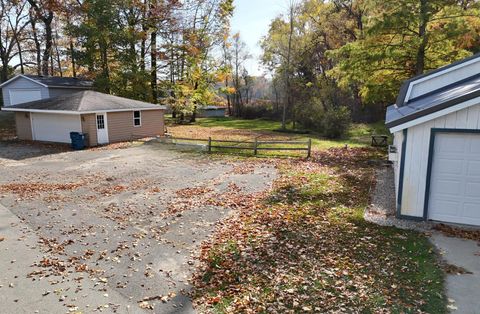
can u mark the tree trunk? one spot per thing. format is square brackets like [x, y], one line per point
[143, 44]
[229, 105]
[422, 29]
[57, 52]
[275, 91]
[105, 69]
[194, 115]
[287, 72]
[52, 68]
[20, 56]
[72, 56]
[4, 73]
[153, 67]
[37, 45]
[48, 42]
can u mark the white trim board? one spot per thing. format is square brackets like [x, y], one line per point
[25, 77]
[78, 112]
[460, 106]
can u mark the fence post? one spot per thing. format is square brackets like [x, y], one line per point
[255, 146]
[309, 148]
[209, 144]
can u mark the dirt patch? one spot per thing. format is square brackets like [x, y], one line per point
[221, 133]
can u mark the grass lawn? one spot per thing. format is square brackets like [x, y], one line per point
[305, 247]
[240, 129]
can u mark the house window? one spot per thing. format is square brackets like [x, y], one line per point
[100, 122]
[137, 118]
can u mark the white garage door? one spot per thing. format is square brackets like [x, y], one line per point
[18, 96]
[54, 127]
[455, 179]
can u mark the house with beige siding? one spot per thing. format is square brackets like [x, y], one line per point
[436, 151]
[103, 118]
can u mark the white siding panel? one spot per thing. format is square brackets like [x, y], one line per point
[440, 122]
[424, 148]
[417, 149]
[472, 117]
[408, 182]
[397, 142]
[451, 120]
[462, 119]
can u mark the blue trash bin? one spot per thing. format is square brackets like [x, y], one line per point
[78, 140]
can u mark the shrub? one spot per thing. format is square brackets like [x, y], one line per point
[310, 114]
[257, 110]
[336, 122]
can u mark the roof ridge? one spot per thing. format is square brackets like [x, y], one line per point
[80, 103]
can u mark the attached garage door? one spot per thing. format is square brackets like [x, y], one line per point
[54, 127]
[455, 179]
[18, 96]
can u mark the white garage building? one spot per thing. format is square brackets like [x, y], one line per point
[436, 154]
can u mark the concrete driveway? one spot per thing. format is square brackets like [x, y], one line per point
[463, 287]
[111, 230]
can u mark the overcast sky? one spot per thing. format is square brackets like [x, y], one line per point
[252, 19]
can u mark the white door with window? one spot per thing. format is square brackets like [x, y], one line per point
[102, 128]
[455, 179]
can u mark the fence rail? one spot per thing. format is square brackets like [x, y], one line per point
[253, 145]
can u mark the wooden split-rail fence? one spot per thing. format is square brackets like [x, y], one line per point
[255, 145]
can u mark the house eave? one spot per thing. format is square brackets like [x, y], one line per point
[433, 113]
[72, 112]
[70, 87]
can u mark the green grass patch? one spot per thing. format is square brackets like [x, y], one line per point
[358, 136]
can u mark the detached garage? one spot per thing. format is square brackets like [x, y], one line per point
[104, 118]
[436, 151]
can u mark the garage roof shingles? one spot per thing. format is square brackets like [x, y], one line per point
[55, 81]
[86, 101]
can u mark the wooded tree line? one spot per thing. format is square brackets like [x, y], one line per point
[324, 55]
[143, 49]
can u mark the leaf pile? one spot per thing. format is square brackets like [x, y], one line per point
[306, 248]
[34, 188]
[458, 232]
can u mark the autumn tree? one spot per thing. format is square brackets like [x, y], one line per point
[402, 39]
[44, 11]
[14, 20]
